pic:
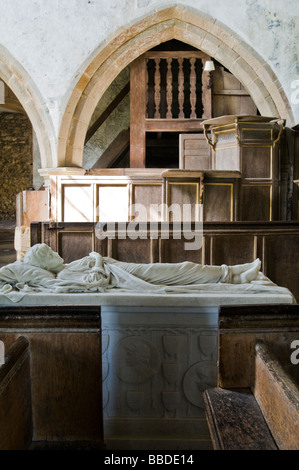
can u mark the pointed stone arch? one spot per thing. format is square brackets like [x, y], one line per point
[187, 25]
[19, 81]
[2, 92]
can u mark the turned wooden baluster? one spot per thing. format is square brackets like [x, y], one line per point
[169, 88]
[148, 89]
[157, 89]
[181, 88]
[192, 88]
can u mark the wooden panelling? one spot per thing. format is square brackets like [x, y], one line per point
[227, 158]
[254, 357]
[65, 347]
[61, 407]
[180, 194]
[112, 198]
[251, 144]
[229, 96]
[232, 249]
[122, 250]
[149, 196]
[218, 202]
[77, 203]
[251, 132]
[74, 245]
[69, 239]
[257, 162]
[239, 329]
[256, 202]
[15, 396]
[173, 251]
[195, 152]
[278, 395]
[281, 253]
[113, 202]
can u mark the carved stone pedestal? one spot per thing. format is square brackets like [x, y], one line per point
[157, 361]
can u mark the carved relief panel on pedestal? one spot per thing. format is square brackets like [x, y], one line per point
[157, 371]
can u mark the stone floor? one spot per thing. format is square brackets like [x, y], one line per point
[7, 251]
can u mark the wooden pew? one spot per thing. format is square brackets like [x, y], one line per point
[65, 375]
[15, 397]
[276, 390]
[236, 421]
[256, 403]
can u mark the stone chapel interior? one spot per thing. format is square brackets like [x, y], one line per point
[166, 131]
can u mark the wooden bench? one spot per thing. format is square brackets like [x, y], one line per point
[15, 397]
[236, 421]
[50, 384]
[256, 403]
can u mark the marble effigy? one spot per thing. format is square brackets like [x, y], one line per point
[43, 270]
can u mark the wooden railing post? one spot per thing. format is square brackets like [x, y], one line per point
[169, 88]
[157, 89]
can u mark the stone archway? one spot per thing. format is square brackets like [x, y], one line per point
[181, 23]
[17, 79]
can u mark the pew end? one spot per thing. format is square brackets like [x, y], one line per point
[256, 403]
[16, 427]
[50, 391]
[277, 393]
[236, 421]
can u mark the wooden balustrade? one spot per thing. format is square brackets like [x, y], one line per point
[169, 93]
[176, 85]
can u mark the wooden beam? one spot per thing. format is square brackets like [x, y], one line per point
[110, 108]
[114, 151]
[231, 92]
[173, 125]
[138, 81]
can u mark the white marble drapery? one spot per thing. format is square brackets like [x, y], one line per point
[42, 270]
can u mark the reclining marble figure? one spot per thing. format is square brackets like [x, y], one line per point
[43, 270]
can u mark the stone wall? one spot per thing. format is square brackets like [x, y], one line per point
[118, 120]
[15, 160]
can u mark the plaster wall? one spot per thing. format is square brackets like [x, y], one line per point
[54, 41]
